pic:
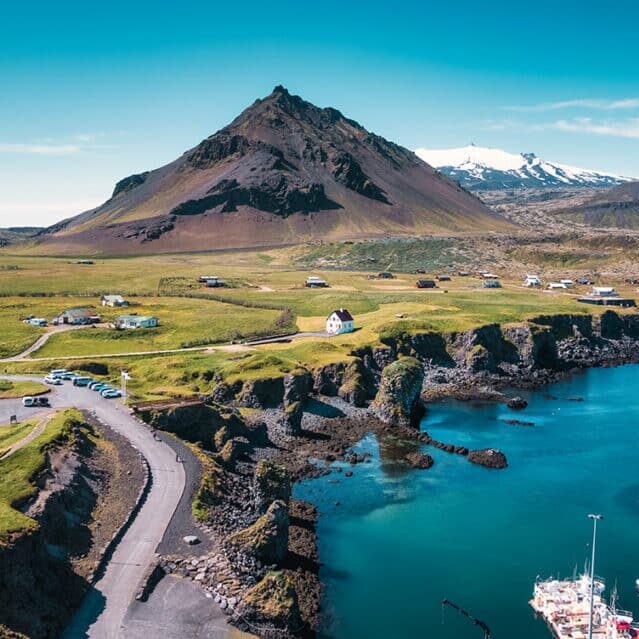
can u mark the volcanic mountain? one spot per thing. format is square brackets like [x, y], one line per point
[284, 171]
[616, 207]
[480, 168]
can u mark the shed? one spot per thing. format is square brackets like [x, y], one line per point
[114, 300]
[77, 316]
[425, 284]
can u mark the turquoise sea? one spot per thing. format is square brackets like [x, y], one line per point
[401, 540]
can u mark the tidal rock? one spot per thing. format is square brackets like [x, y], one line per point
[488, 457]
[517, 403]
[398, 400]
[420, 460]
[273, 600]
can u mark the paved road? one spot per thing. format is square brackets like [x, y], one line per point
[103, 610]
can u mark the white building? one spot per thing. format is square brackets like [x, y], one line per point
[556, 285]
[567, 283]
[532, 280]
[114, 300]
[604, 291]
[340, 321]
[315, 282]
[136, 321]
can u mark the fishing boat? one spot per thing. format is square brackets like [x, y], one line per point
[565, 606]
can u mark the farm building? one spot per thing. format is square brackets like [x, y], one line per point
[425, 284]
[203, 279]
[340, 321]
[77, 316]
[443, 277]
[315, 282]
[136, 321]
[604, 291]
[114, 300]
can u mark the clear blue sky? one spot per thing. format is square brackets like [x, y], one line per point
[91, 92]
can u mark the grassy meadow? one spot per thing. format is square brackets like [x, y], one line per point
[266, 296]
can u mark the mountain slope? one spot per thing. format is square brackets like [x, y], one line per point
[616, 207]
[477, 168]
[284, 171]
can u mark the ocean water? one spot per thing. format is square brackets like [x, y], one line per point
[401, 540]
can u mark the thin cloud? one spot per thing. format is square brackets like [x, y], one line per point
[625, 128]
[605, 105]
[40, 149]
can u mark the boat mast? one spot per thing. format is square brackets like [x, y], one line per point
[595, 518]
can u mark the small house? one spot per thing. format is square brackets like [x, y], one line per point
[604, 291]
[215, 282]
[136, 321]
[114, 301]
[443, 277]
[315, 282]
[203, 279]
[425, 284]
[532, 280]
[77, 316]
[463, 273]
[491, 284]
[340, 321]
[385, 275]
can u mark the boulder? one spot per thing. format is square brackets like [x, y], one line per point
[488, 457]
[267, 538]
[398, 400]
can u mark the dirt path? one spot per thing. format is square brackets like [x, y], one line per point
[36, 432]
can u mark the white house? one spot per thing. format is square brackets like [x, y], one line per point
[604, 291]
[532, 280]
[136, 321]
[315, 282]
[114, 300]
[340, 321]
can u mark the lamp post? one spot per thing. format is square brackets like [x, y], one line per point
[595, 519]
[125, 377]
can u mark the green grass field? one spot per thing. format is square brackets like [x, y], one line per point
[9, 389]
[18, 473]
[263, 284]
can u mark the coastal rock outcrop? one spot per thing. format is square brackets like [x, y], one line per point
[517, 403]
[272, 482]
[267, 538]
[398, 399]
[262, 393]
[357, 384]
[274, 601]
[488, 457]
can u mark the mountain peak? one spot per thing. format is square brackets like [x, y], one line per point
[477, 168]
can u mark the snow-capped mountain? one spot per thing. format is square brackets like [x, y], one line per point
[476, 167]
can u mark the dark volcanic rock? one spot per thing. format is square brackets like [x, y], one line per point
[128, 183]
[420, 460]
[272, 482]
[398, 399]
[489, 457]
[347, 171]
[517, 403]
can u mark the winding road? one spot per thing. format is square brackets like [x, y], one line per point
[103, 610]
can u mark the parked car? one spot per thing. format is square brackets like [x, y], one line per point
[69, 376]
[98, 387]
[41, 400]
[54, 381]
[83, 381]
[28, 402]
[95, 382]
[106, 389]
[111, 394]
[58, 372]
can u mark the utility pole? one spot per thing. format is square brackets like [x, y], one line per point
[125, 376]
[595, 519]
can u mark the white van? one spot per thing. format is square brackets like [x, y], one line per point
[28, 402]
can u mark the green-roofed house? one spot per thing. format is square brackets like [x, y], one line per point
[136, 321]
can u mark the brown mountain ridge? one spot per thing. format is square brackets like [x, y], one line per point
[283, 172]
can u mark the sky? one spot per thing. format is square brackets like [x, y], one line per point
[93, 92]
